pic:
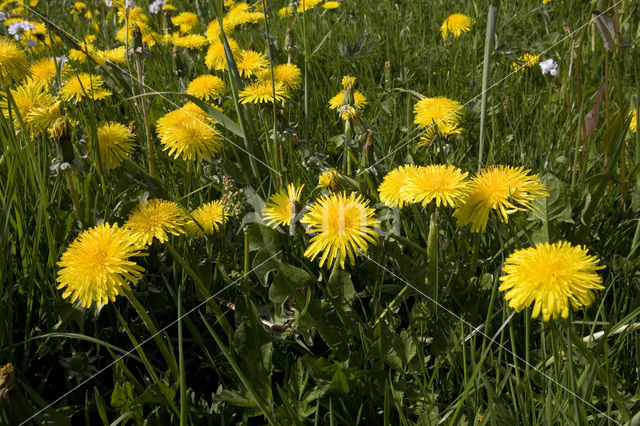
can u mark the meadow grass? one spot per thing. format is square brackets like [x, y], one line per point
[240, 326]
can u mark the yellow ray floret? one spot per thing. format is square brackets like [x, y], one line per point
[209, 216]
[156, 219]
[440, 182]
[455, 25]
[281, 208]
[392, 189]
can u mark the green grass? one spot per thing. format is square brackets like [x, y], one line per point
[241, 327]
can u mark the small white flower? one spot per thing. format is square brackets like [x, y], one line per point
[109, 3]
[130, 4]
[18, 27]
[549, 67]
[156, 6]
[2, 16]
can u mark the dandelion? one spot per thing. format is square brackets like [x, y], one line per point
[504, 189]
[455, 25]
[261, 92]
[82, 86]
[553, 277]
[43, 70]
[330, 5]
[189, 133]
[96, 267]
[440, 182]
[633, 125]
[526, 60]
[115, 142]
[117, 55]
[342, 224]
[251, 63]
[439, 114]
[209, 216]
[186, 21]
[13, 62]
[216, 59]
[206, 87]
[28, 98]
[287, 74]
[329, 179]
[281, 208]
[392, 187]
[156, 219]
[189, 41]
[360, 101]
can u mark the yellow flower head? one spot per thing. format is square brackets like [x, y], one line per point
[360, 101]
[117, 55]
[502, 188]
[28, 97]
[330, 5]
[281, 208]
[82, 86]
[455, 25]
[215, 58]
[633, 124]
[329, 179]
[440, 182]
[43, 70]
[189, 41]
[213, 29]
[156, 219]
[187, 21]
[438, 112]
[251, 63]
[287, 74]
[261, 92]
[97, 265]
[348, 82]
[391, 189]
[553, 277]
[189, 133]
[526, 60]
[13, 62]
[115, 142]
[342, 224]
[209, 216]
[206, 87]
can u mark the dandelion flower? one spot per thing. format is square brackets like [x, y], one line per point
[502, 188]
[189, 133]
[27, 97]
[391, 189]
[213, 29]
[189, 41]
[342, 224]
[251, 63]
[13, 62]
[117, 55]
[206, 87]
[43, 70]
[526, 60]
[187, 21]
[115, 142]
[261, 92]
[455, 25]
[330, 5]
[633, 124]
[96, 267]
[329, 179]
[440, 182]
[216, 59]
[360, 101]
[553, 277]
[156, 219]
[281, 208]
[209, 216]
[82, 86]
[44, 117]
[437, 112]
[287, 74]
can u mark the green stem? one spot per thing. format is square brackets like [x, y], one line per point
[183, 384]
[488, 47]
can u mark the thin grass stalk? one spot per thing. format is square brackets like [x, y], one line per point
[184, 405]
[275, 152]
[486, 69]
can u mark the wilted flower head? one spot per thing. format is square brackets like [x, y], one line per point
[329, 179]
